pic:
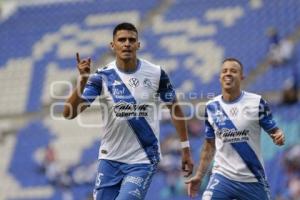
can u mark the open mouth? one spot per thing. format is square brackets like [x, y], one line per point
[228, 79]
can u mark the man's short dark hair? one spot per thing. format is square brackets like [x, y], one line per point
[124, 26]
[234, 60]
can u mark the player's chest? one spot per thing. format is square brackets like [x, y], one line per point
[240, 115]
[235, 123]
[132, 88]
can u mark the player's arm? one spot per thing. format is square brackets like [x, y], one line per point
[267, 122]
[75, 104]
[181, 128]
[167, 94]
[206, 157]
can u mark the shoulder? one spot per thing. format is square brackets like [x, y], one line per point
[151, 70]
[213, 104]
[251, 95]
[108, 66]
[102, 69]
[214, 100]
[149, 66]
[250, 98]
[98, 75]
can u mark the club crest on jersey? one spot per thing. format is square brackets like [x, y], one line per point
[134, 82]
[147, 83]
[220, 118]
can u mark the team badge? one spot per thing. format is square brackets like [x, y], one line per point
[134, 82]
[147, 83]
[220, 117]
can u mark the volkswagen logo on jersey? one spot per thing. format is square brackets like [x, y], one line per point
[234, 111]
[134, 82]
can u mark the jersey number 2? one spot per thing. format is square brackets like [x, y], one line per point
[213, 183]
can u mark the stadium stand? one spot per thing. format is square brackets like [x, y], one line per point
[277, 76]
[188, 38]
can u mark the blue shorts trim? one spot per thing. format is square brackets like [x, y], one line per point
[222, 188]
[121, 181]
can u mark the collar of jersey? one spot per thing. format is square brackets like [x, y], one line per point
[235, 100]
[138, 66]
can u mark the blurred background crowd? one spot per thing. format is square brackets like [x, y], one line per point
[47, 157]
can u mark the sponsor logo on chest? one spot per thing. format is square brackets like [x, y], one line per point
[124, 109]
[234, 111]
[133, 82]
[231, 135]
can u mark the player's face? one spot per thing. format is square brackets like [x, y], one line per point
[125, 44]
[231, 76]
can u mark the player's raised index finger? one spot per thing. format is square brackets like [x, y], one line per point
[77, 57]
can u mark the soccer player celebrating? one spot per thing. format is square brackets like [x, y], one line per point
[233, 122]
[129, 87]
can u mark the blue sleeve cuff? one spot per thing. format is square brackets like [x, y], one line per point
[274, 127]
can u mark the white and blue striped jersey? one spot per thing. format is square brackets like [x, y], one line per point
[236, 128]
[130, 101]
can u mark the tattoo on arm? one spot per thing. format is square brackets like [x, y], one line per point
[207, 155]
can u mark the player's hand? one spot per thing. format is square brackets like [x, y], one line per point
[83, 66]
[187, 162]
[278, 137]
[193, 186]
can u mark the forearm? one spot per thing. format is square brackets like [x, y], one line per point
[180, 125]
[74, 101]
[206, 157]
[179, 121]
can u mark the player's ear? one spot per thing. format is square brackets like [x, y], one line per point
[139, 45]
[112, 46]
[242, 77]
